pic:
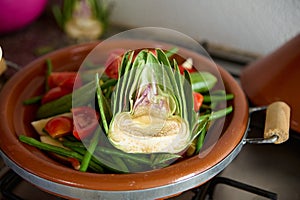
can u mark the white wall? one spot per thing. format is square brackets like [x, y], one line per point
[258, 26]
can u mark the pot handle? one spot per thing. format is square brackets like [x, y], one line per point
[276, 125]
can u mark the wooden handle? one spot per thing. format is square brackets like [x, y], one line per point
[2, 63]
[277, 121]
[3, 66]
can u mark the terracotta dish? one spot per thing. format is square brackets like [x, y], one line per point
[39, 169]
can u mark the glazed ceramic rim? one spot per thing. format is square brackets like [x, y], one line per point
[29, 159]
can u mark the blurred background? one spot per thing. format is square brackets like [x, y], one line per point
[252, 25]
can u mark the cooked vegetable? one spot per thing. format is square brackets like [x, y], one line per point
[90, 150]
[59, 84]
[187, 65]
[59, 126]
[225, 97]
[198, 99]
[48, 72]
[85, 121]
[203, 81]
[64, 80]
[33, 100]
[217, 114]
[55, 93]
[113, 62]
[59, 150]
[152, 109]
[143, 113]
[64, 103]
[39, 125]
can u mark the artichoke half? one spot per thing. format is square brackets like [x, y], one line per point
[152, 105]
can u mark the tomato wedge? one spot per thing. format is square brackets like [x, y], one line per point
[182, 68]
[64, 79]
[114, 60]
[55, 93]
[113, 63]
[198, 100]
[85, 121]
[59, 126]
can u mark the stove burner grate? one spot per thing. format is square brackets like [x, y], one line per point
[10, 180]
[206, 192]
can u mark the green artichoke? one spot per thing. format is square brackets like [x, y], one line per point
[152, 105]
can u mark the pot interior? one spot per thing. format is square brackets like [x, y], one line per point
[29, 82]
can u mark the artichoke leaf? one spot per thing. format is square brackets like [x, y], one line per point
[188, 93]
[162, 57]
[179, 83]
[132, 75]
[119, 100]
[170, 76]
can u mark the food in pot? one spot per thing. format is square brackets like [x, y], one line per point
[154, 112]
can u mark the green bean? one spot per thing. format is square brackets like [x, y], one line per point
[79, 150]
[109, 83]
[114, 152]
[58, 150]
[64, 103]
[108, 92]
[90, 150]
[216, 114]
[33, 100]
[100, 150]
[48, 72]
[96, 167]
[48, 147]
[101, 105]
[200, 139]
[210, 98]
[111, 151]
[71, 144]
[83, 151]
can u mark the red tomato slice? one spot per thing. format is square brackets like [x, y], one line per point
[55, 93]
[153, 51]
[64, 79]
[85, 121]
[181, 69]
[113, 63]
[198, 100]
[114, 60]
[59, 126]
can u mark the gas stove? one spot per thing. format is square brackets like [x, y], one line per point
[266, 171]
